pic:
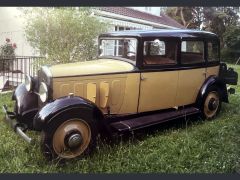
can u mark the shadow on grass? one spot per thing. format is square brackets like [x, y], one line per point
[158, 129]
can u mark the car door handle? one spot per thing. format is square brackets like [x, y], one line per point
[142, 77]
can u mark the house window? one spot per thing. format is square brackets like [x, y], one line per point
[122, 28]
[148, 9]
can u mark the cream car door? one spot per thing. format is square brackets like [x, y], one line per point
[159, 81]
[193, 73]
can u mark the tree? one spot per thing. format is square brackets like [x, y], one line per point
[189, 17]
[219, 19]
[214, 19]
[231, 50]
[63, 34]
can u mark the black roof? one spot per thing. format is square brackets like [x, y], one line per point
[181, 33]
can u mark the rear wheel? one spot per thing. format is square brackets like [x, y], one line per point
[68, 138]
[211, 103]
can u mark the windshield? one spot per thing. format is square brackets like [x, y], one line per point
[118, 48]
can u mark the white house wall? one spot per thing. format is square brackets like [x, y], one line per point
[152, 10]
[12, 27]
[130, 19]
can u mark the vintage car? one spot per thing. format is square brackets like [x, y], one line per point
[141, 78]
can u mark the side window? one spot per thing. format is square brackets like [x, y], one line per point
[192, 52]
[159, 52]
[213, 51]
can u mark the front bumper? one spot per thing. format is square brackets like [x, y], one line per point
[10, 118]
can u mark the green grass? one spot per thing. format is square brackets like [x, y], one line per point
[183, 146]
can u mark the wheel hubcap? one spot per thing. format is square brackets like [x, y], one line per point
[212, 104]
[74, 141]
[71, 138]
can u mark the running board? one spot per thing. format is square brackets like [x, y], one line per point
[149, 120]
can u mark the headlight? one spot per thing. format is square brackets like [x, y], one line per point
[43, 92]
[28, 82]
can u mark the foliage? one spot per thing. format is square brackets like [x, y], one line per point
[189, 17]
[182, 146]
[8, 49]
[231, 51]
[7, 52]
[224, 22]
[232, 37]
[215, 19]
[220, 20]
[63, 34]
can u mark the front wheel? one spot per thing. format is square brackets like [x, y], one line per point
[68, 139]
[211, 103]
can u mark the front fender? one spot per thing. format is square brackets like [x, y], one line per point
[66, 105]
[210, 81]
[25, 100]
[26, 105]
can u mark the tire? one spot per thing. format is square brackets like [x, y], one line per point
[15, 108]
[57, 139]
[211, 104]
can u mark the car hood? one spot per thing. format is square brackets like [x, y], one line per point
[101, 66]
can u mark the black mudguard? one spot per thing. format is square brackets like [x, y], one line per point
[211, 81]
[68, 104]
[26, 106]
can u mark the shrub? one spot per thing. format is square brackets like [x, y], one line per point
[63, 34]
[7, 52]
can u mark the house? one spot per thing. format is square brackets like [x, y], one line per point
[126, 18]
[119, 18]
[12, 27]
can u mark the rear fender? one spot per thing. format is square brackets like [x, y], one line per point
[212, 81]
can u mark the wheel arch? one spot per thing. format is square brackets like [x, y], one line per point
[61, 106]
[212, 81]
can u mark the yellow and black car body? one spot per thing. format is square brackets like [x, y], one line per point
[141, 78]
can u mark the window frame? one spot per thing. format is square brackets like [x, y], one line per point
[138, 47]
[160, 66]
[219, 54]
[200, 64]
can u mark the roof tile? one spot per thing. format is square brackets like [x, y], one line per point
[163, 19]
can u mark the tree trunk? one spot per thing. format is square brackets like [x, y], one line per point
[182, 17]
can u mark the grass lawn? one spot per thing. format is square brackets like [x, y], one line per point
[182, 146]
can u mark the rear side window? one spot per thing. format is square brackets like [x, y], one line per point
[192, 52]
[160, 52]
[213, 51]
